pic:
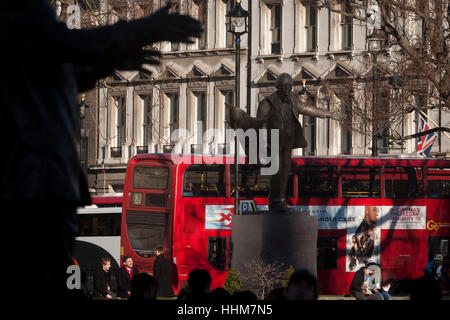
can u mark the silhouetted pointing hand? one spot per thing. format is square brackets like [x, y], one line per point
[163, 26]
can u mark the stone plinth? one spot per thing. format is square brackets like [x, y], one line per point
[289, 238]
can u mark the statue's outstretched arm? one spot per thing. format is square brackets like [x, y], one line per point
[309, 109]
[239, 119]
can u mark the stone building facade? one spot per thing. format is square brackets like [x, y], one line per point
[135, 113]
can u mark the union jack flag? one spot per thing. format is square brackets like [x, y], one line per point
[425, 142]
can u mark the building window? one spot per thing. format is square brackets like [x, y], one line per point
[173, 110]
[202, 14]
[309, 124]
[120, 120]
[229, 36]
[346, 130]
[146, 132]
[347, 29]
[227, 96]
[201, 109]
[419, 101]
[383, 122]
[275, 28]
[174, 46]
[311, 28]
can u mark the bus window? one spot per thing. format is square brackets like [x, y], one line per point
[361, 182]
[327, 248]
[205, 181]
[253, 184]
[438, 183]
[146, 231]
[155, 200]
[217, 252]
[98, 225]
[150, 177]
[317, 181]
[403, 182]
[438, 245]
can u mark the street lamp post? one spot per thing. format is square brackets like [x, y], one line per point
[237, 24]
[83, 106]
[375, 42]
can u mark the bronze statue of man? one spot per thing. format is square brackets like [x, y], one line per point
[281, 109]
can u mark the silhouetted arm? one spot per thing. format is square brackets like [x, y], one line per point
[29, 28]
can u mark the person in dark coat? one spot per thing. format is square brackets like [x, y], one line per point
[359, 286]
[163, 274]
[102, 280]
[125, 274]
[48, 65]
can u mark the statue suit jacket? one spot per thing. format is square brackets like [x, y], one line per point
[269, 104]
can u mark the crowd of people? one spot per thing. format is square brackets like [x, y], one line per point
[302, 285]
[136, 286]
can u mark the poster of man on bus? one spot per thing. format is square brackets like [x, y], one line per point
[363, 236]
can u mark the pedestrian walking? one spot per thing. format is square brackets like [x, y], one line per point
[102, 280]
[125, 275]
[163, 274]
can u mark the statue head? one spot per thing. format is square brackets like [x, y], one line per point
[284, 84]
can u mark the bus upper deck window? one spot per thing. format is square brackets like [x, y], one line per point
[204, 181]
[361, 182]
[438, 183]
[253, 184]
[317, 181]
[403, 182]
[150, 177]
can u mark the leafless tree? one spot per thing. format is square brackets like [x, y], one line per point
[411, 74]
[261, 277]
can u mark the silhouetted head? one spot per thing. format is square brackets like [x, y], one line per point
[199, 281]
[219, 294]
[302, 286]
[425, 288]
[245, 295]
[284, 84]
[143, 287]
[276, 294]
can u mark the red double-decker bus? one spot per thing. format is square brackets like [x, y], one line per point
[187, 206]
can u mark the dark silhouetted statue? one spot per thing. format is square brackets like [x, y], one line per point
[44, 66]
[280, 111]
